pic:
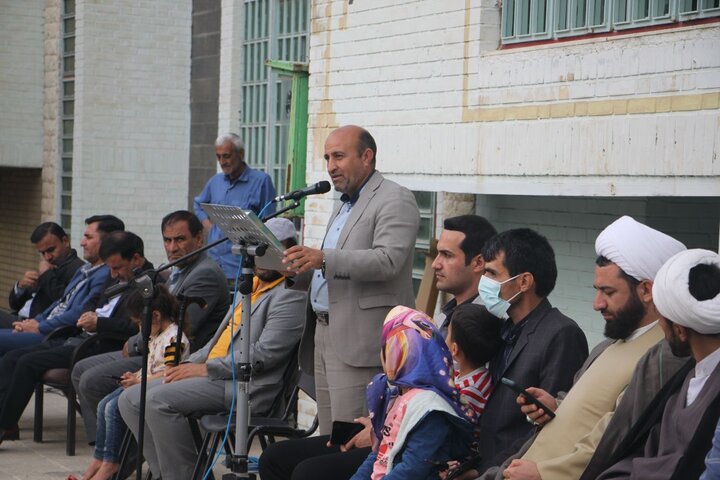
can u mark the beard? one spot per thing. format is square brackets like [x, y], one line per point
[626, 319]
[267, 276]
[678, 347]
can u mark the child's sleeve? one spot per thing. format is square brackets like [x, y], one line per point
[365, 470]
[421, 449]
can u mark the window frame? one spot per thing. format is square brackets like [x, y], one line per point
[611, 20]
[283, 33]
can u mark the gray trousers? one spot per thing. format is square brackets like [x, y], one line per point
[168, 445]
[91, 379]
[339, 388]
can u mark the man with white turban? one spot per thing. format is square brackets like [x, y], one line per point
[629, 256]
[675, 432]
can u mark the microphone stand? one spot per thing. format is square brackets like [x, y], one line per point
[238, 461]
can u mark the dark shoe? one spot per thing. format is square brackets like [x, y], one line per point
[12, 433]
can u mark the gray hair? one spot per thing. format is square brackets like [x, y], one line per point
[233, 138]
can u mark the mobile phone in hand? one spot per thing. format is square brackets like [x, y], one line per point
[521, 391]
[343, 432]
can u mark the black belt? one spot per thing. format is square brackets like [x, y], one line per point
[323, 317]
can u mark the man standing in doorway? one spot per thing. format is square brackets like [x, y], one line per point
[238, 185]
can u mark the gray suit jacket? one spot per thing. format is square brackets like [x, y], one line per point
[548, 352]
[368, 273]
[275, 330]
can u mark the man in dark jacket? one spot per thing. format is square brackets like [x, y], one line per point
[38, 289]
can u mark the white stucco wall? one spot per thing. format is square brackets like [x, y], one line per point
[633, 114]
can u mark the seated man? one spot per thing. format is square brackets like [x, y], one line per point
[629, 256]
[672, 437]
[38, 289]
[198, 276]
[23, 368]
[87, 281]
[204, 383]
[542, 347]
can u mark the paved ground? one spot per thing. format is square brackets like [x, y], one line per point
[26, 460]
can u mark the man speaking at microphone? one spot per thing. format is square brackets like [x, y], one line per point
[362, 270]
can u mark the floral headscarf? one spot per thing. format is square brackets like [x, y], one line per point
[414, 355]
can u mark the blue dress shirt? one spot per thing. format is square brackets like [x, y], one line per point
[252, 190]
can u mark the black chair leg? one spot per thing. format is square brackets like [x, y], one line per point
[125, 448]
[71, 424]
[38, 422]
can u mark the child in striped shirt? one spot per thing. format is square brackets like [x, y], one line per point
[473, 339]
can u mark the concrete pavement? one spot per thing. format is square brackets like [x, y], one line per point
[26, 460]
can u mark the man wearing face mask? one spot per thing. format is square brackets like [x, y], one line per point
[542, 348]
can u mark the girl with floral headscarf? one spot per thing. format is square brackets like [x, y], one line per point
[418, 421]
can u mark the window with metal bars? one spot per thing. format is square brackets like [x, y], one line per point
[67, 112]
[426, 206]
[530, 20]
[277, 30]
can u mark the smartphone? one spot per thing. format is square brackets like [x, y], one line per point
[343, 432]
[462, 468]
[521, 391]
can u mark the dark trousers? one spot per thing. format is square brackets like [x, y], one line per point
[21, 370]
[309, 459]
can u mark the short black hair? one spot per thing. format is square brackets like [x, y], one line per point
[704, 281]
[47, 228]
[106, 223]
[289, 242]
[365, 141]
[601, 261]
[194, 224]
[525, 251]
[127, 244]
[477, 231]
[476, 332]
[163, 301]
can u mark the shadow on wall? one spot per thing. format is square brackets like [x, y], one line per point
[20, 213]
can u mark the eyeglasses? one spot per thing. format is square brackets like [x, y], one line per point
[225, 156]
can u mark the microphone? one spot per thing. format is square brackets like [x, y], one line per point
[190, 300]
[317, 188]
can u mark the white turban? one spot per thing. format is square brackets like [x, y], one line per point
[672, 296]
[637, 249]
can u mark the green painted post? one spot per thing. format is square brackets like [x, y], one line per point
[297, 132]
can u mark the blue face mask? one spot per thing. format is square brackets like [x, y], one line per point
[490, 294]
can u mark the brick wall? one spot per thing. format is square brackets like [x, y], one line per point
[20, 191]
[51, 110]
[204, 85]
[21, 83]
[132, 113]
[625, 115]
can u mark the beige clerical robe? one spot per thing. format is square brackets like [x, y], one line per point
[565, 445]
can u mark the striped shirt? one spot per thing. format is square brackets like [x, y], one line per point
[475, 388]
